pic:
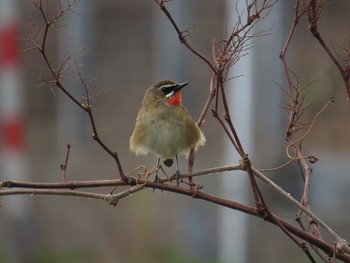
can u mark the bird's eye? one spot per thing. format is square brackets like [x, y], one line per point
[168, 89]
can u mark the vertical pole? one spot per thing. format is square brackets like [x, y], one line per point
[233, 225]
[13, 165]
[255, 111]
[11, 103]
[71, 120]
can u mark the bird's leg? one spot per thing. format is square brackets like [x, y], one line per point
[156, 179]
[177, 173]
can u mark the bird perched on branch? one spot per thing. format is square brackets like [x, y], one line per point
[163, 125]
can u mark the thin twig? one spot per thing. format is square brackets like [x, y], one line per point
[199, 195]
[307, 131]
[65, 164]
[313, 25]
[116, 182]
[341, 242]
[33, 192]
[228, 52]
[58, 83]
[283, 52]
[181, 35]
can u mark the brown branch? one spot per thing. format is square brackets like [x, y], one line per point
[58, 83]
[341, 242]
[283, 52]
[65, 164]
[302, 245]
[227, 117]
[54, 192]
[313, 25]
[295, 113]
[180, 190]
[196, 194]
[258, 198]
[229, 52]
[181, 36]
[304, 165]
[212, 94]
[116, 182]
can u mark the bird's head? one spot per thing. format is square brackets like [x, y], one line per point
[165, 91]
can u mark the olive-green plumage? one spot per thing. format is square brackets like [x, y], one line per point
[163, 128]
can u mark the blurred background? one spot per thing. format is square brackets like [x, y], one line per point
[123, 47]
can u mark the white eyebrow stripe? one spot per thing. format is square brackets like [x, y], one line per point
[170, 94]
[168, 85]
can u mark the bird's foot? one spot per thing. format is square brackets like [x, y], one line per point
[157, 178]
[176, 176]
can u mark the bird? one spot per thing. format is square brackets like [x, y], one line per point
[163, 125]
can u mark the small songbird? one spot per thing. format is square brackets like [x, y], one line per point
[163, 125]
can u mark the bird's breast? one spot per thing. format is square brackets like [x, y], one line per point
[172, 132]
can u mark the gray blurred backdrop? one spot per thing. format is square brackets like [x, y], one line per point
[123, 47]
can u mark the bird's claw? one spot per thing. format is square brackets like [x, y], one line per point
[176, 176]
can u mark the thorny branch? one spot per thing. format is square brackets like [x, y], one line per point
[181, 34]
[49, 23]
[228, 54]
[296, 109]
[52, 189]
[315, 9]
[65, 164]
[225, 54]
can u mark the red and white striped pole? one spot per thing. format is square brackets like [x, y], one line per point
[12, 154]
[13, 163]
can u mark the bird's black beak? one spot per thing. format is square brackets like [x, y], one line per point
[180, 86]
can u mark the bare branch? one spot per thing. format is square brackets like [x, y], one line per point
[181, 35]
[199, 195]
[314, 12]
[65, 164]
[68, 62]
[225, 54]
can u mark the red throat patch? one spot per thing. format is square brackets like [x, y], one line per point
[175, 100]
